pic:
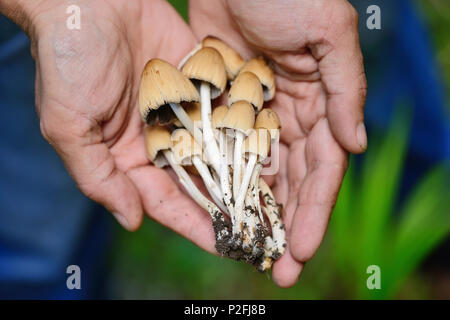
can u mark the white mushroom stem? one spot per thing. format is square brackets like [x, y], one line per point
[224, 174]
[209, 142]
[209, 182]
[243, 192]
[222, 233]
[246, 179]
[213, 156]
[267, 259]
[254, 187]
[252, 228]
[237, 162]
[271, 209]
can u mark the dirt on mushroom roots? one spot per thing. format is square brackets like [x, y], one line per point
[231, 246]
[221, 226]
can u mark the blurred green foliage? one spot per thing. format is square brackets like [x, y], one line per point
[370, 227]
[437, 15]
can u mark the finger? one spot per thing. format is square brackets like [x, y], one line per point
[281, 186]
[326, 164]
[286, 270]
[94, 170]
[342, 72]
[167, 204]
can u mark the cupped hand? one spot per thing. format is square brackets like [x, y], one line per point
[321, 87]
[86, 96]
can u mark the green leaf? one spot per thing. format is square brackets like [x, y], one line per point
[381, 176]
[424, 223]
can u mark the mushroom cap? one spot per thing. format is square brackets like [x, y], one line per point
[247, 87]
[207, 65]
[240, 117]
[258, 142]
[268, 119]
[265, 75]
[217, 116]
[157, 138]
[233, 61]
[184, 147]
[190, 54]
[194, 111]
[161, 84]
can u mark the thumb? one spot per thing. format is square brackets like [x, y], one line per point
[342, 72]
[93, 168]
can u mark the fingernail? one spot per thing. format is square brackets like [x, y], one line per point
[121, 219]
[361, 135]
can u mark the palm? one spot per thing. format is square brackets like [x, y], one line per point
[312, 162]
[90, 116]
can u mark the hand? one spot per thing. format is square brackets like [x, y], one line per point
[321, 88]
[87, 82]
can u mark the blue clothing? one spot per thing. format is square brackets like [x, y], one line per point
[46, 224]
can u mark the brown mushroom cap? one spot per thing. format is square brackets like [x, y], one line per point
[233, 61]
[258, 142]
[217, 116]
[157, 138]
[268, 119]
[184, 147]
[161, 84]
[247, 87]
[207, 65]
[240, 117]
[194, 111]
[265, 75]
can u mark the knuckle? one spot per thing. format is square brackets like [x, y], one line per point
[350, 15]
[48, 131]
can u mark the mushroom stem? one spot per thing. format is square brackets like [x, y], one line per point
[237, 227]
[209, 142]
[209, 182]
[222, 233]
[224, 174]
[237, 162]
[197, 134]
[252, 228]
[246, 179]
[254, 186]
[272, 211]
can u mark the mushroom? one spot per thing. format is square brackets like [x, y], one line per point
[158, 144]
[274, 246]
[265, 75]
[218, 115]
[188, 152]
[206, 70]
[240, 118]
[162, 89]
[245, 87]
[257, 146]
[269, 121]
[233, 61]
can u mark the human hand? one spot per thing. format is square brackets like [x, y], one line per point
[321, 89]
[87, 84]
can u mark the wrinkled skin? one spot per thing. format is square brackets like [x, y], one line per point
[321, 89]
[86, 97]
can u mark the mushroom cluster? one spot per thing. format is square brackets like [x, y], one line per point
[227, 147]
